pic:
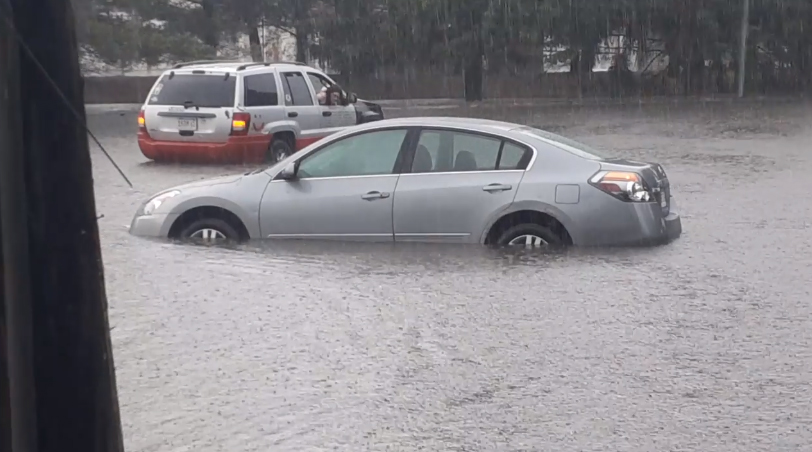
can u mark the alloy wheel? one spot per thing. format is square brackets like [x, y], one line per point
[528, 241]
[208, 234]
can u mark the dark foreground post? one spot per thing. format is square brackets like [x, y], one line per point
[58, 351]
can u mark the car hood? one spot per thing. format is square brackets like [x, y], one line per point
[211, 182]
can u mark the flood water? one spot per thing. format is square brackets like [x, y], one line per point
[703, 344]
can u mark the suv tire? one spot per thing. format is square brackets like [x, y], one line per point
[279, 150]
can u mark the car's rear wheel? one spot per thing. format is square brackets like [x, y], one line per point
[279, 150]
[209, 231]
[529, 235]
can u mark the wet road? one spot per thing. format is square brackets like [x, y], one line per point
[700, 345]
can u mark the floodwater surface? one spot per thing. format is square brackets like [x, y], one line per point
[703, 344]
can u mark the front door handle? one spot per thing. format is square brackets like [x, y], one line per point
[292, 114]
[375, 195]
[327, 113]
[497, 187]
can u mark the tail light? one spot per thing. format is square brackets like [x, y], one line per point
[240, 122]
[623, 185]
[142, 120]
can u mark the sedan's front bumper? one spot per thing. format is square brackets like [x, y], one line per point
[156, 225]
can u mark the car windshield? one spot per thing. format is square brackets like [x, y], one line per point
[199, 90]
[571, 146]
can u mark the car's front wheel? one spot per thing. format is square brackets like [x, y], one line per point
[529, 235]
[279, 150]
[210, 231]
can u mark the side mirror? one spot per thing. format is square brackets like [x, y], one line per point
[352, 98]
[288, 172]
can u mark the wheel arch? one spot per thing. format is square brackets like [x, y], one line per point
[208, 211]
[277, 127]
[531, 212]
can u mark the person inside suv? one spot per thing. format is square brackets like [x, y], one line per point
[332, 95]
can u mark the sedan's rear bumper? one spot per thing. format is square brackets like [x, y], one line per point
[626, 224]
[673, 227]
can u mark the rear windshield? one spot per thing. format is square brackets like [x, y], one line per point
[564, 143]
[201, 90]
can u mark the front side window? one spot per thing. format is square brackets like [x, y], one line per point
[297, 93]
[318, 81]
[196, 90]
[451, 151]
[367, 154]
[260, 90]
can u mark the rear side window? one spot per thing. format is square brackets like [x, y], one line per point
[199, 90]
[514, 157]
[260, 90]
[452, 151]
[296, 90]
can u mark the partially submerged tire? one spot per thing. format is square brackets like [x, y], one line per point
[279, 150]
[529, 235]
[210, 231]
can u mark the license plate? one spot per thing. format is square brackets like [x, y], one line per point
[187, 124]
[664, 198]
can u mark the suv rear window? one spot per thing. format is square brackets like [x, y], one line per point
[201, 90]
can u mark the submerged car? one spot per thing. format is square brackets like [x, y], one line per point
[430, 180]
[236, 112]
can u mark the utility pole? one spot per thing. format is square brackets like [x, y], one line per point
[743, 44]
[56, 350]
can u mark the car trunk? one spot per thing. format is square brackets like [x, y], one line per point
[653, 174]
[191, 107]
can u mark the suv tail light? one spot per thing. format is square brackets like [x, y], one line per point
[623, 185]
[142, 120]
[240, 122]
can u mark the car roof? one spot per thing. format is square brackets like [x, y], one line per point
[500, 128]
[474, 124]
[238, 66]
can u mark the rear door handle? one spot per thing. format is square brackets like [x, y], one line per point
[327, 113]
[375, 195]
[497, 187]
[292, 114]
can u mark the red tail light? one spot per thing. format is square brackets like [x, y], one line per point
[240, 122]
[142, 121]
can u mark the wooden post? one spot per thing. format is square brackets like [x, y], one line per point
[745, 26]
[20, 417]
[60, 363]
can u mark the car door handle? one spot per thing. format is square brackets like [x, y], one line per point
[375, 195]
[327, 113]
[497, 187]
[292, 114]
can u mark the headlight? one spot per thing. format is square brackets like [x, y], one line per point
[156, 202]
[623, 185]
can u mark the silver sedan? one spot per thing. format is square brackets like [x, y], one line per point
[428, 180]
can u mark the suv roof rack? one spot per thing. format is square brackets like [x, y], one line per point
[196, 62]
[268, 63]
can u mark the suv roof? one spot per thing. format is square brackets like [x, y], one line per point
[236, 66]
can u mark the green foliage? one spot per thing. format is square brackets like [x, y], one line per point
[366, 36]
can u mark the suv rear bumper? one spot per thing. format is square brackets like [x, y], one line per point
[247, 149]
